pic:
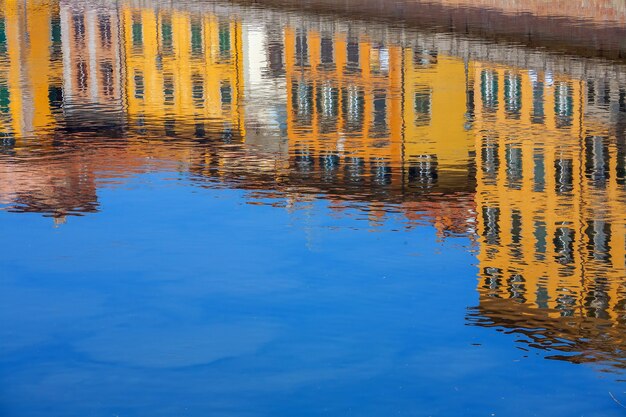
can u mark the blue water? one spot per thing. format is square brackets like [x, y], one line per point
[234, 208]
[180, 301]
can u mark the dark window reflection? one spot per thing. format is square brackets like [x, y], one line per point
[620, 169]
[514, 166]
[167, 36]
[106, 68]
[491, 222]
[55, 97]
[490, 159]
[226, 93]
[422, 106]
[597, 160]
[597, 299]
[564, 175]
[353, 103]
[302, 102]
[538, 114]
[493, 279]
[599, 236]
[81, 76]
[379, 129]
[137, 30]
[5, 98]
[563, 104]
[170, 127]
[302, 48]
[352, 55]
[197, 90]
[327, 51]
[516, 235]
[199, 131]
[380, 170]
[424, 57]
[539, 173]
[423, 170]
[355, 168]
[304, 160]
[329, 164]
[224, 39]
[605, 97]
[517, 288]
[591, 92]
[542, 296]
[564, 245]
[327, 107]
[540, 232]
[55, 37]
[3, 36]
[516, 226]
[276, 66]
[489, 90]
[78, 21]
[566, 302]
[197, 49]
[104, 26]
[139, 85]
[512, 94]
[168, 89]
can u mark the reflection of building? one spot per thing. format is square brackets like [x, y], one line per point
[29, 33]
[92, 65]
[550, 197]
[364, 110]
[184, 72]
[264, 87]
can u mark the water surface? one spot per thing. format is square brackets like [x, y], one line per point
[235, 208]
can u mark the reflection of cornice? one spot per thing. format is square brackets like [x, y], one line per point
[592, 38]
[532, 42]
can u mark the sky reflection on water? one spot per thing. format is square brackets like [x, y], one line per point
[228, 209]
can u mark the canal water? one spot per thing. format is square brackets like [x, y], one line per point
[312, 208]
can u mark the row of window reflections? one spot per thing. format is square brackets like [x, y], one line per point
[196, 28]
[379, 54]
[198, 90]
[596, 300]
[105, 33]
[596, 165]
[563, 96]
[173, 129]
[422, 170]
[165, 32]
[106, 77]
[597, 235]
[328, 101]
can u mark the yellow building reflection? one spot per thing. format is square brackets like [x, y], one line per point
[30, 67]
[551, 201]
[183, 70]
[384, 112]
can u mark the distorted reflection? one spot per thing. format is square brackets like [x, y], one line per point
[522, 149]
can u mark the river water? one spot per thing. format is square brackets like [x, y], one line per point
[318, 208]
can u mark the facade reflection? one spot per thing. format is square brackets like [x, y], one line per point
[531, 160]
[551, 198]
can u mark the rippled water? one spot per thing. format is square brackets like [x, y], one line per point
[304, 208]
